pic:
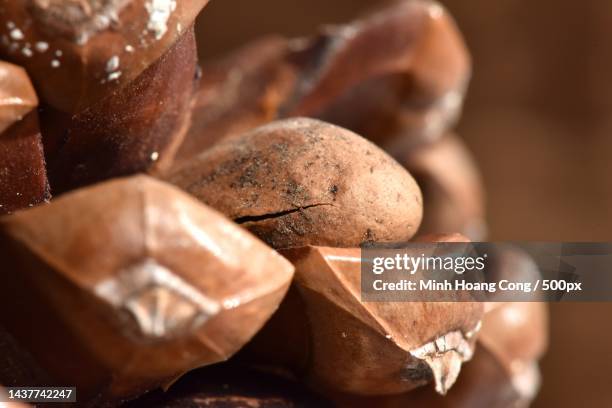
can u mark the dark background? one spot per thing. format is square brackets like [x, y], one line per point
[537, 121]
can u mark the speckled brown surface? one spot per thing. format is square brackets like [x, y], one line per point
[304, 182]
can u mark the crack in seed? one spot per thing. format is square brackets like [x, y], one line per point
[270, 216]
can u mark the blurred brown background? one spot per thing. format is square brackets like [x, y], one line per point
[537, 121]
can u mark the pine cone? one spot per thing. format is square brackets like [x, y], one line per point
[158, 219]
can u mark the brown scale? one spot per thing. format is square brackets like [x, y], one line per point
[134, 129]
[397, 77]
[23, 177]
[130, 284]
